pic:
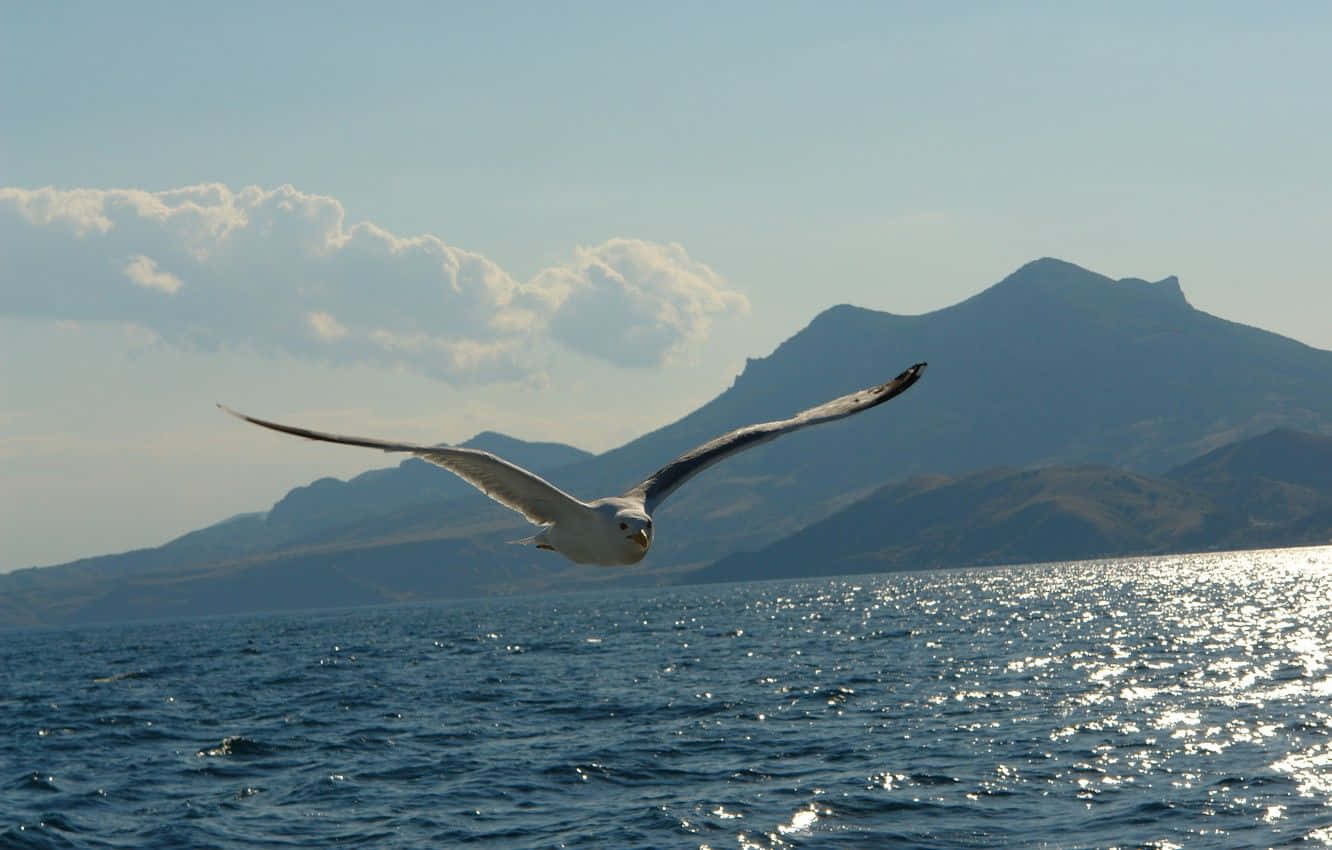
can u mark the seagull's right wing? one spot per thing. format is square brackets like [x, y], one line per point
[664, 481]
[512, 486]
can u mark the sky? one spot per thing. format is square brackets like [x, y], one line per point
[574, 222]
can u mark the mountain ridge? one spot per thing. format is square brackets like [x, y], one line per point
[1053, 365]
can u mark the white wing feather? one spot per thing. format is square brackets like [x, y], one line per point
[512, 486]
[656, 487]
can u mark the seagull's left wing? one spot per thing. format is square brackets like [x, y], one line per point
[512, 486]
[664, 481]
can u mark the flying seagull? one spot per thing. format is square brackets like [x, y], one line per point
[614, 531]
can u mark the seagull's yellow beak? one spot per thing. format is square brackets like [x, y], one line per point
[641, 538]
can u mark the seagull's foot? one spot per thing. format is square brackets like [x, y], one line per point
[545, 546]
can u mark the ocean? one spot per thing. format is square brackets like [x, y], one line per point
[1181, 701]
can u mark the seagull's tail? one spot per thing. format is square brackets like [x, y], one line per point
[538, 540]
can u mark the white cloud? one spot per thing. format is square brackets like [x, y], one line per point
[78, 209]
[144, 272]
[282, 271]
[325, 326]
[635, 302]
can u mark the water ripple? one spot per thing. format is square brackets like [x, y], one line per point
[1162, 702]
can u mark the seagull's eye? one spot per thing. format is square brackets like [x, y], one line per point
[623, 526]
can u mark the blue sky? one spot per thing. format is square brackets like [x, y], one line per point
[702, 180]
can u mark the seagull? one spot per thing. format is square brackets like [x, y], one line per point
[615, 531]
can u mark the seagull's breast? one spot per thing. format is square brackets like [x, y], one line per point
[595, 538]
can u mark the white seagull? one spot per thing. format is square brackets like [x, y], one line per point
[614, 531]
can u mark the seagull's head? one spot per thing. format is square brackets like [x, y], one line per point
[635, 528]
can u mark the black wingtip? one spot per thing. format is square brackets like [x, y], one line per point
[912, 374]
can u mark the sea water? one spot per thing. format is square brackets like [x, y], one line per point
[1181, 701]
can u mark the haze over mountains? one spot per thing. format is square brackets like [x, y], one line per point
[1055, 366]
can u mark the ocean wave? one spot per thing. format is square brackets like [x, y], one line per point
[1137, 705]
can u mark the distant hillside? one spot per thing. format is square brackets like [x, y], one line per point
[1278, 485]
[294, 556]
[992, 517]
[1054, 365]
[1275, 489]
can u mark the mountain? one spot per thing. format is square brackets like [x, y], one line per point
[1278, 485]
[1274, 489]
[1054, 365]
[283, 558]
[1001, 516]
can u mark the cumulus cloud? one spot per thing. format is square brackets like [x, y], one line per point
[635, 302]
[144, 272]
[282, 271]
[325, 326]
